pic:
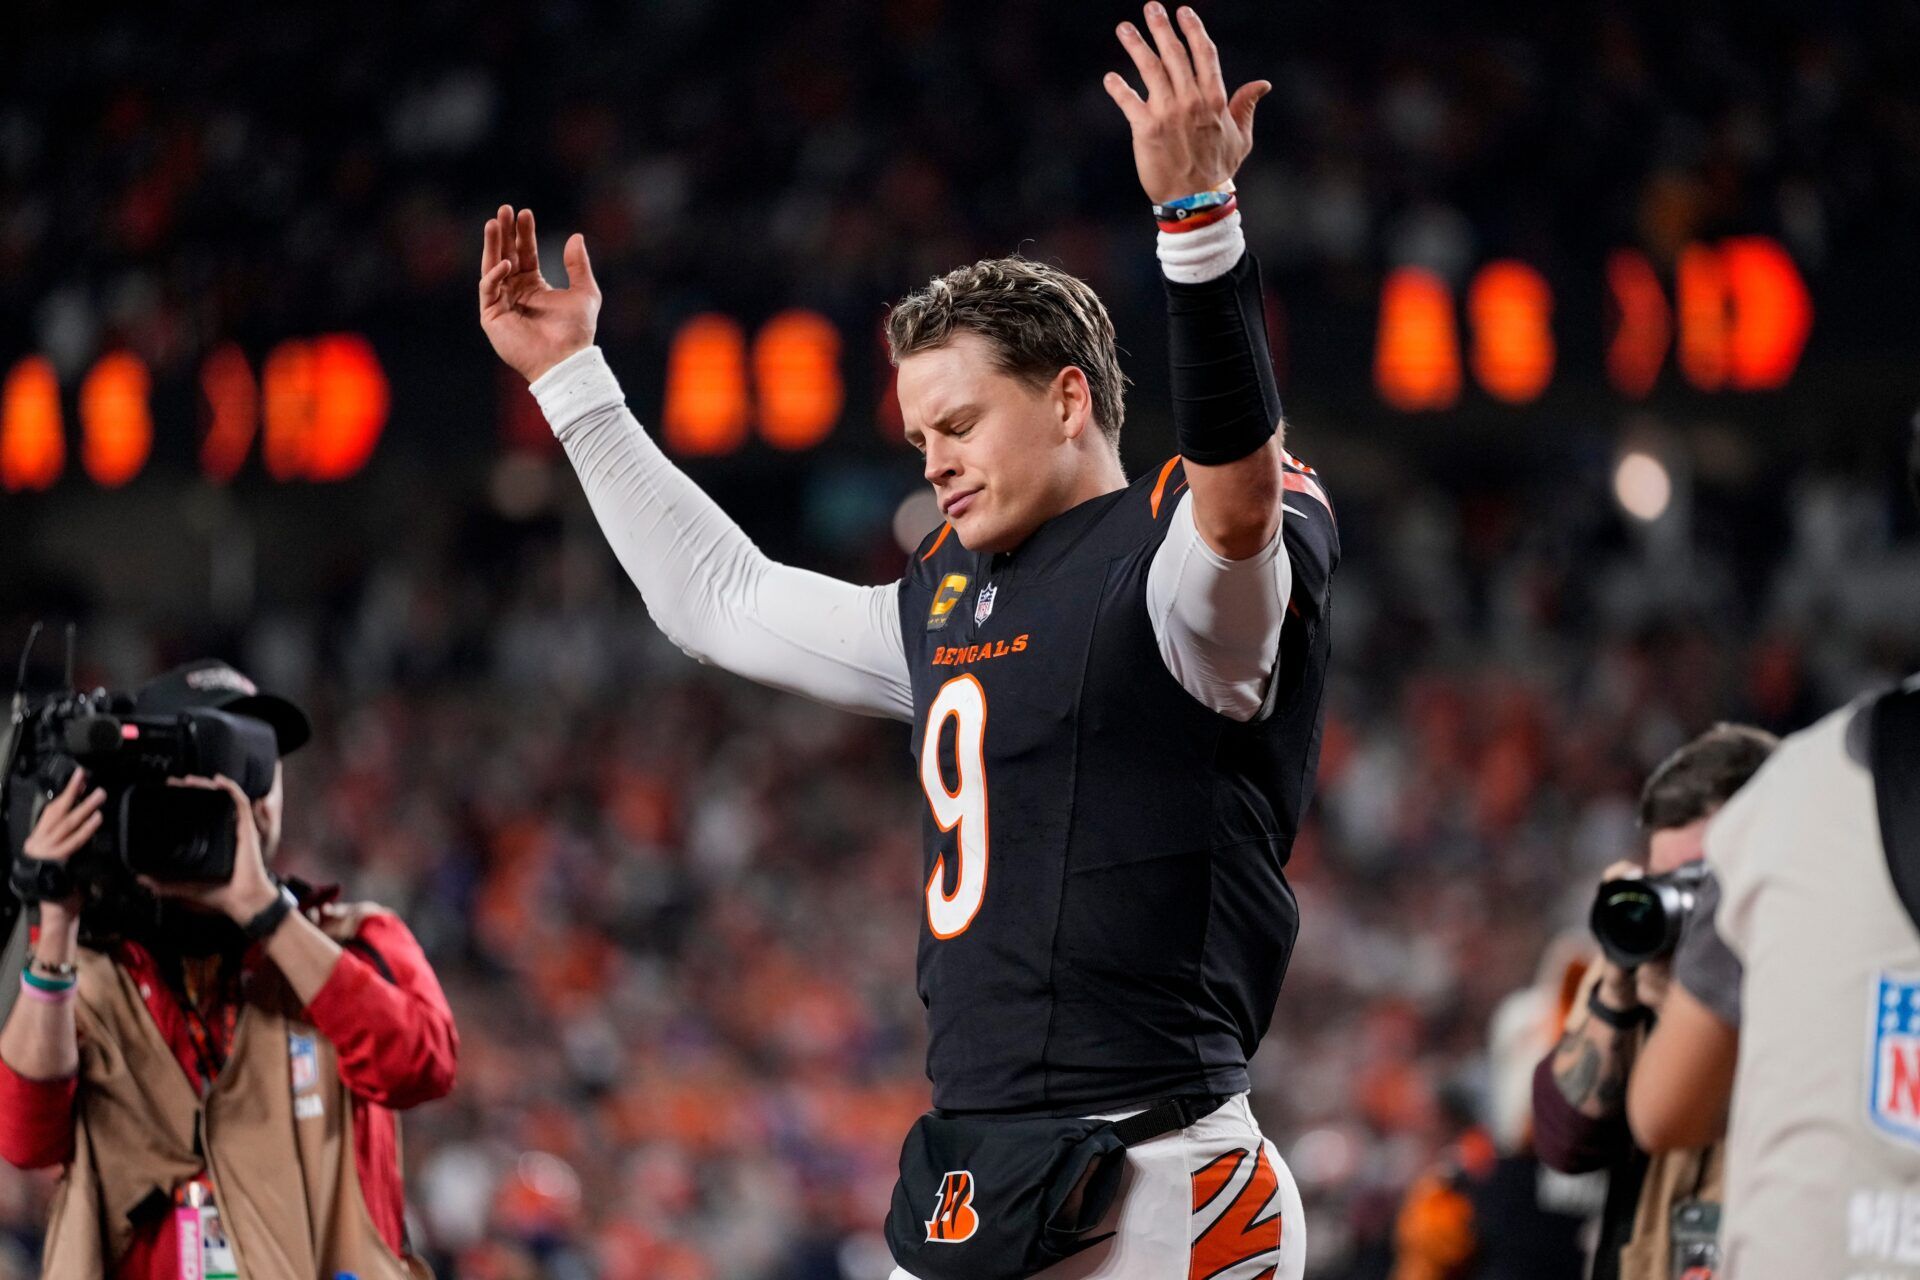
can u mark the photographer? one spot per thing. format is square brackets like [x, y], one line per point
[1660, 1213]
[219, 1076]
[1816, 1046]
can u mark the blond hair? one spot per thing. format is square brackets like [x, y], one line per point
[1037, 318]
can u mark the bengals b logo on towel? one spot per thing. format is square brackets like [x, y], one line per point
[953, 1217]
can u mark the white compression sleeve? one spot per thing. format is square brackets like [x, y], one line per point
[1218, 620]
[707, 586]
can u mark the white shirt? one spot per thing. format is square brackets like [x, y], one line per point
[1217, 621]
[724, 602]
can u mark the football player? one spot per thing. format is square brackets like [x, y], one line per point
[1115, 685]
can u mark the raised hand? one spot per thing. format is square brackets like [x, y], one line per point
[249, 890]
[532, 325]
[63, 829]
[1188, 135]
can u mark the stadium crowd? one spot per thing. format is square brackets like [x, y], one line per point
[253, 171]
[675, 914]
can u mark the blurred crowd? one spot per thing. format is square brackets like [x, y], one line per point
[169, 178]
[676, 913]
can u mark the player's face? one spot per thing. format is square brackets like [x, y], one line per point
[998, 449]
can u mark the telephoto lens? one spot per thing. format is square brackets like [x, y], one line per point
[1638, 920]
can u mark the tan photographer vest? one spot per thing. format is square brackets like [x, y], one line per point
[1823, 1146]
[279, 1147]
[1671, 1178]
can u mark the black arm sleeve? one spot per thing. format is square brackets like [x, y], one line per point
[1226, 403]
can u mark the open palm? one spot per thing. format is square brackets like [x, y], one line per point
[532, 325]
[1189, 134]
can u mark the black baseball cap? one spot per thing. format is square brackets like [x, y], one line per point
[209, 682]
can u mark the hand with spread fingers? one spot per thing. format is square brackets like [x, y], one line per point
[63, 828]
[1189, 136]
[250, 889]
[532, 325]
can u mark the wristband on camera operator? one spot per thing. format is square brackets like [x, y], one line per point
[1661, 1214]
[144, 827]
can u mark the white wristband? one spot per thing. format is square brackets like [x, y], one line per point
[1195, 257]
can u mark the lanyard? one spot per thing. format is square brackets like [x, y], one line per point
[211, 1041]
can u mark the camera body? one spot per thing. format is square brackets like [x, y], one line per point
[148, 828]
[1638, 920]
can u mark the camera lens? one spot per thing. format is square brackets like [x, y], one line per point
[1631, 919]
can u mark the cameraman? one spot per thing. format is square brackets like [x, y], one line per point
[1819, 921]
[219, 1082]
[1660, 1213]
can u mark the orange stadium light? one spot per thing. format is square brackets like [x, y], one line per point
[1644, 329]
[232, 409]
[287, 391]
[796, 370]
[325, 406]
[1416, 360]
[350, 405]
[116, 423]
[706, 410]
[1701, 300]
[1511, 307]
[33, 452]
[1772, 313]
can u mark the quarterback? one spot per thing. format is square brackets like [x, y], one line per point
[1115, 693]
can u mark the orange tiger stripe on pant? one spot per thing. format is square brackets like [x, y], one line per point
[1239, 1234]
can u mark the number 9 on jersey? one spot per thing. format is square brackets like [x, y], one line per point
[963, 701]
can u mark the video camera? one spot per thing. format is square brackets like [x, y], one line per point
[148, 827]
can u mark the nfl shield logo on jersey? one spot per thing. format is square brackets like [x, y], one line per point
[1894, 1103]
[984, 605]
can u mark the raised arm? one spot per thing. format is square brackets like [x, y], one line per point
[1221, 582]
[708, 587]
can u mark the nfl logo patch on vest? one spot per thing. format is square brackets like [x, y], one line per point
[303, 1054]
[984, 606]
[1894, 1102]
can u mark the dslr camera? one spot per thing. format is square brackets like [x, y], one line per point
[148, 827]
[1638, 920]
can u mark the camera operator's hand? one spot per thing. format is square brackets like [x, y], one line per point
[63, 829]
[249, 890]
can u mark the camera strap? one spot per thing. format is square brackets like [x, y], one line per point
[1893, 754]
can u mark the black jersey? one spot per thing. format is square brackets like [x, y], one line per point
[1105, 919]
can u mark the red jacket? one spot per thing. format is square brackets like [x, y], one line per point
[388, 1021]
